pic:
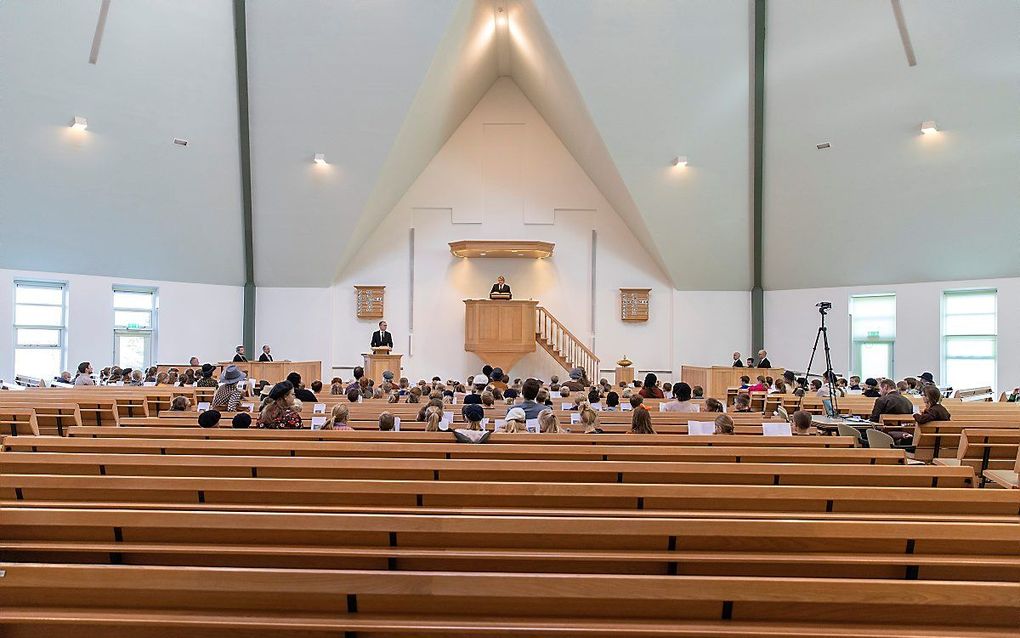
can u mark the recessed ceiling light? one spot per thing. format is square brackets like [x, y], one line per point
[928, 127]
[823, 145]
[320, 159]
[179, 141]
[680, 161]
[79, 123]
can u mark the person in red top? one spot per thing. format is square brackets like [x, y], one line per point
[761, 386]
[279, 412]
[650, 388]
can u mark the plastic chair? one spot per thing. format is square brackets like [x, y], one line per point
[848, 430]
[880, 440]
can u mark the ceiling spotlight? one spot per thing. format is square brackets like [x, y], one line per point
[928, 127]
[79, 123]
[320, 159]
[179, 141]
[822, 146]
[680, 161]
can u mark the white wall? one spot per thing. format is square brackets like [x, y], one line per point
[201, 320]
[505, 174]
[791, 323]
[297, 323]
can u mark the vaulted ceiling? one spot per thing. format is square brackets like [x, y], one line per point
[379, 86]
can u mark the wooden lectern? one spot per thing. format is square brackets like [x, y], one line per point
[499, 331]
[380, 360]
[276, 371]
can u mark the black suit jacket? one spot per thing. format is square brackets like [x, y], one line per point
[505, 289]
[239, 357]
[379, 339]
[265, 357]
[765, 363]
[738, 364]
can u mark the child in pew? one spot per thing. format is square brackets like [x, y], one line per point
[589, 419]
[386, 422]
[636, 400]
[641, 420]
[209, 419]
[548, 424]
[515, 421]
[473, 415]
[433, 415]
[612, 402]
[801, 421]
[336, 386]
[180, 404]
[742, 403]
[338, 418]
[279, 411]
[713, 405]
[697, 392]
[681, 400]
[724, 425]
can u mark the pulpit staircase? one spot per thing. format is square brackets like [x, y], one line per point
[563, 346]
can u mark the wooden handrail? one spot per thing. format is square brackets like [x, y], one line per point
[574, 351]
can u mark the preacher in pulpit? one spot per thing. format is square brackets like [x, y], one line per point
[500, 289]
[381, 338]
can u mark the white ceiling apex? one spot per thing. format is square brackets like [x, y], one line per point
[501, 30]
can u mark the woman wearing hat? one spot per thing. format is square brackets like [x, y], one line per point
[279, 411]
[516, 421]
[228, 394]
[473, 415]
[207, 380]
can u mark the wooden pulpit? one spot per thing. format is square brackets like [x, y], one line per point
[380, 360]
[500, 332]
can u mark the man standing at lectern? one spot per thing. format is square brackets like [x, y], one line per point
[501, 288]
[382, 338]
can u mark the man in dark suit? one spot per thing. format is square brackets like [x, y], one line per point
[239, 354]
[382, 338]
[763, 360]
[501, 288]
[265, 356]
[737, 363]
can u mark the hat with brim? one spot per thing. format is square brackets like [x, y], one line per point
[516, 414]
[232, 374]
[207, 369]
[209, 418]
[280, 390]
[927, 376]
[473, 412]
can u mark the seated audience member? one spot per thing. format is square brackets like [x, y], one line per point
[543, 398]
[842, 385]
[498, 379]
[818, 389]
[564, 393]
[497, 395]
[365, 387]
[355, 383]
[554, 379]
[681, 400]
[933, 408]
[737, 363]
[575, 383]
[650, 388]
[516, 419]
[697, 392]
[790, 380]
[279, 410]
[780, 387]
[137, 378]
[636, 401]
[926, 378]
[486, 372]
[1014, 396]
[891, 402]
[871, 388]
[172, 376]
[180, 404]
[641, 422]
[512, 392]
[488, 399]
[713, 405]
[150, 374]
[902, 387]
[627, 393]
[594, 396]
[855, 383]
[84, 374]
[473, 415]
[387, 422]
[353, 396]
[433, 415]
[188, 378]
[316, 387]
[912, 387]
[667, 389]
[300, 392]
[431, 403]
[65, 377]
[164, 379]
[228, 394]
[589, 419]
[377, 393]
[209, 419]
[801, 421]
[414, 395]
[637, 384]
[241, 421]
[477, 385]
[612, 403]
[724, 424]
[742, 403]
[206, 379]
[530, 406]
[336, 386]
[338, 418]
[759, 386]
[393, 398]
[548, 424]
[745, 382]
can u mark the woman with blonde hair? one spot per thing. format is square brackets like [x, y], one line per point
[516, 421]
[548, 424]
[338, 418]
[433, 415]
[589, 419]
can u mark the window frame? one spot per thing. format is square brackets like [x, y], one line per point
[61, 330]
[855, 343]
[151, 332]
[945, 339]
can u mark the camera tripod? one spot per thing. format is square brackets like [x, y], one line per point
[829, 378]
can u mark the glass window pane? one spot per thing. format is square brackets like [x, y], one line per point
[28, 337]
[873, 317]
[970, 347]
[39, 295]
[970, 373]
[980, 302]
[42, 363]
[874, 328]
[970, 325]
[132, 319]
[38, 315]
[132, 300]
[875, 360]
[131, 350]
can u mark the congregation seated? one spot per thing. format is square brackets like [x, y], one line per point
[724, 425]
[681, 400]
[650, 387]
[280, 410]
[933, 408]
[387, 422]
[473, 415]
[338, 417]
[641, 420]
[713, 405]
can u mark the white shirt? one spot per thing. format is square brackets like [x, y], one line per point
[681, 406]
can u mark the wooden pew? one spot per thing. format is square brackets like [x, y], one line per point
[502, 450]
[1009, 479]
[19, 421]
[551, 498]
[985, 449]
[201, 602]
[57, 418]
[918, 550]
[942, 438]
[491, 471]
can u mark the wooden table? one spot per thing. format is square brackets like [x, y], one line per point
[716, 379]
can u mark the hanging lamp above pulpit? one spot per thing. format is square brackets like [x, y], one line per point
[496, 248]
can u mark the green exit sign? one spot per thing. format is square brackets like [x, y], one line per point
[873, 334]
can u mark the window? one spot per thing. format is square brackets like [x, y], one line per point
[873, 335]
[969, 338]
[134, 326]
[40, 328]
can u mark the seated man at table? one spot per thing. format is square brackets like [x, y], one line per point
[891, 401]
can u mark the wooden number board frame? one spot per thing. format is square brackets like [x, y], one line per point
[634, 304]
[369, 301]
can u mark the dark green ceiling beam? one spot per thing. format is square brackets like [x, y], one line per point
[244, 144]
[757, 293]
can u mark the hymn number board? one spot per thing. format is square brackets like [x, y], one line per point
[634, 304]
[370, 301]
